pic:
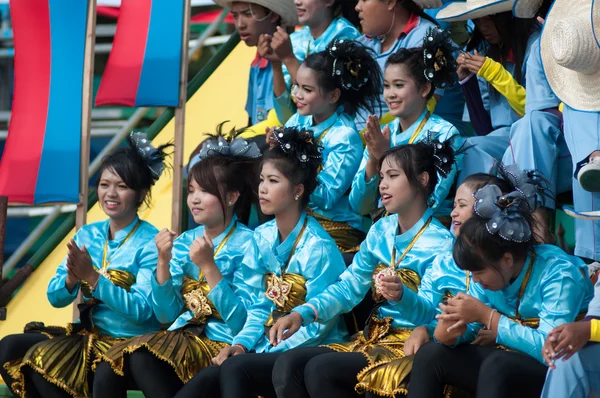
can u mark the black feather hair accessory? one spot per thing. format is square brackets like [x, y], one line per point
[443, 152]
[352, 73]
[438, 56]
[153, 157]
[533, 186]
[299, 143]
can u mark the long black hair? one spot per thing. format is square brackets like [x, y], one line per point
[345, 9]
[514, 34]
[349, 66]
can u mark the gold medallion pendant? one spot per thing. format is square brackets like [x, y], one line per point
[387, 271]
[278, 290]
[197, 302]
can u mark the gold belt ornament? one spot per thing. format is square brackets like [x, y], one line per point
[278, 290]
[197, 302]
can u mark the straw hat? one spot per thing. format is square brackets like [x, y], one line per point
[427, 4]
[526, 8]
[284, 8]
[471, 9]
[571, 54]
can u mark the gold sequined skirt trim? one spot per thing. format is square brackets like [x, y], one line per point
[185, 352]
[388, 368]
[63, 361]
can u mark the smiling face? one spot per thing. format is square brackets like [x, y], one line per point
[252, 20]
[310, 97]
[402, 95]
[204, 206]
[375, 16]
[313, 12]
[276, 193]
[116, 199]
[463, 207]
[396, 192]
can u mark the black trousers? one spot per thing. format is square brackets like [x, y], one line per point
[108, 384]
[154, 377]
[13, 347]
[205, 384]
[317, 372]
[487, 372]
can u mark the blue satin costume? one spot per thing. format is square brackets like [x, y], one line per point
[353, 284]
[364, 196]
[317, 259]
[230, 296]
[342, 151]
[578, 376]
[120, 313]
[303, 44]
[558, 289]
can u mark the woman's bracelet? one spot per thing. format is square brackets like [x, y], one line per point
[242, 347]
[489, 324]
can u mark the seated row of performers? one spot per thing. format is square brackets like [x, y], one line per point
[223, 310]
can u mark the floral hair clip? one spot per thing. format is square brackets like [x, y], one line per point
[503, 213]
[349, 71]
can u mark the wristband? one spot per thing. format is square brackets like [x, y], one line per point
[242, 347]
[312, 307]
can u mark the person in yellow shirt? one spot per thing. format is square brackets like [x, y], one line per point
[573, 357]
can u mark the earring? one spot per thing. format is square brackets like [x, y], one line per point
[229, 203]
[297, 197]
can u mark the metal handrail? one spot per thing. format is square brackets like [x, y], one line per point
[154, 129]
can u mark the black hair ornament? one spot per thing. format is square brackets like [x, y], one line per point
[440, 65]
[352, 74]
[153, 157]
[298, 142]
[443, 152]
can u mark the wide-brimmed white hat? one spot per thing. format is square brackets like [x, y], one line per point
[428, 4]
[571, 54]
[471, 9]
[284, 8]
[526, 8]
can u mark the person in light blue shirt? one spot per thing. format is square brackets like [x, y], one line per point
[199, 286]
[397, 253]
[522, 292]
[407, 87]
[387, 27]
[323, 21]
[111, 263]
[494, 73]
[331, 86]
[298, 259]
[253, 18]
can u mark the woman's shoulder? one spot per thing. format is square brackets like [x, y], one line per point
[343, 29]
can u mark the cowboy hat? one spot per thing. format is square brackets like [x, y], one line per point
[526, 8]
[284, 8]
[428, 4]
[571, 54]
[472, 9]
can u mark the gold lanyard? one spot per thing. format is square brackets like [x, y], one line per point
[393, 263]
[322, 135]
[419, 128]
[468, 282]
[287, 263]
[220, 247]
[105, 261]
[524, 285]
